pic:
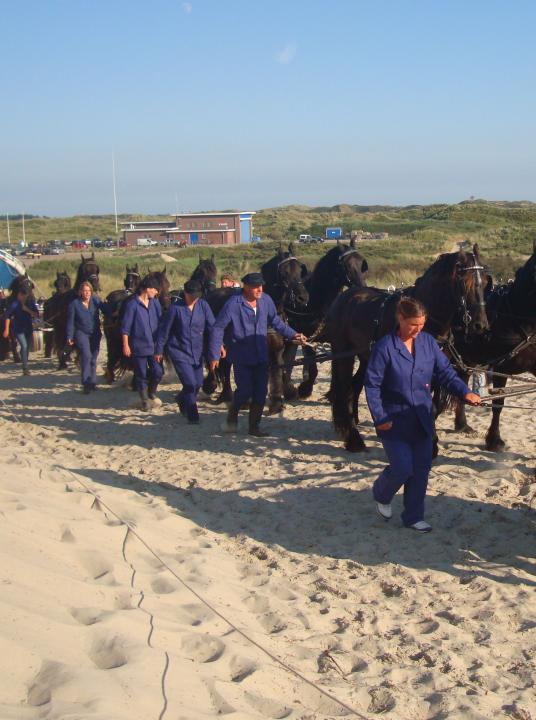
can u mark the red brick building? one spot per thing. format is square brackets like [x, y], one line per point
[218, 228]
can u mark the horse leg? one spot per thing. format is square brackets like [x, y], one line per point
[494, 442]
[305, 389]
[224, 370]
[357, 386]
[341, 399]
[460, 419]
[288, 357]
[275, 380]
[210, 383]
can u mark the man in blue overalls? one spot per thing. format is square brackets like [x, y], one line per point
[242, 326]
[138, 329]
[182, 333]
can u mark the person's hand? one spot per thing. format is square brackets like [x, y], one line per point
[299, 338]
[126, 351]
[5, 334]
[213, 364]
[384, 426]
[223, 352]
[158, 358]
[70, 342]
[472, 399]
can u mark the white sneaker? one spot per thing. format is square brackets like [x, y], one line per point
[384, 511]
[421, 526]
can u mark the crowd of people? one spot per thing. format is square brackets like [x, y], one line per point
[398, 379]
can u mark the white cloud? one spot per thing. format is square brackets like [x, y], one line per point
[187, 7]
[287, 54]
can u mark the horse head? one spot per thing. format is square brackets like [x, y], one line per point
[62, 283]
[283, 275]
[88, 271]
[132, 278]
[206, 273]
[351, 265]
[453, 289]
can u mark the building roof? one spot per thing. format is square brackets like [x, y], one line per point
[200, 230]
[215, 214]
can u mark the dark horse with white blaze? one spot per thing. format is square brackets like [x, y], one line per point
[510, 345]
[452, 290]
[342, 266]
[62, 284]
[88, 271]
[112, 331]
[7, 345]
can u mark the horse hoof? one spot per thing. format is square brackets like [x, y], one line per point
[355, 445]
[466, 430]
[495, 446]
[290, 393]
[305, 390]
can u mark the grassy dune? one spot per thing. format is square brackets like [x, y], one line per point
[505, 233]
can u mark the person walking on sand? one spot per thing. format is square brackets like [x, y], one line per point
[183, 333]
[139, 328]
[398, 389]
[84, 331]
[243, 322]
[21, 312]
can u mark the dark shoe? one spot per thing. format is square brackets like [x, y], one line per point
[94, 387]
[145, 404]
[87, 389]
[26, 372]
[255, 415]
[231, 426]
[151, 391]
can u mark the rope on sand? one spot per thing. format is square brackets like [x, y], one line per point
[243, 634]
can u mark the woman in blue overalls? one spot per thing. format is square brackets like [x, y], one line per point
[139, 327]
[182, 333]
[84, 330]
[398, 387]
[21, 312]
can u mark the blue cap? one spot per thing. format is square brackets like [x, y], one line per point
[254, 279]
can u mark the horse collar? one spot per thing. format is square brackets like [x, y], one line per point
[285, 260]
[352, 251]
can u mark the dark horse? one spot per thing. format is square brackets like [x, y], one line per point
[284, 281]
[452, 290]
[7, 345]
[117, 363]
[342, 266]
[88, 271]
[62, 284]
[510, 345]
[112, 332]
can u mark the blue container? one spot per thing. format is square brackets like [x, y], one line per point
[334, 233]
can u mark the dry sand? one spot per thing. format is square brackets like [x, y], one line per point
[103, 600]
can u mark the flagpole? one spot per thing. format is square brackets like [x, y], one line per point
[8, 233]
[115, 194]
[23, 232]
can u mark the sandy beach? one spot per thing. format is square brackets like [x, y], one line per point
[156, 570]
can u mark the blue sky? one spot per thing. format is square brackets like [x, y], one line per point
[214, 104]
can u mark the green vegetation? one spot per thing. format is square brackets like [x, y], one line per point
[504, 231]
